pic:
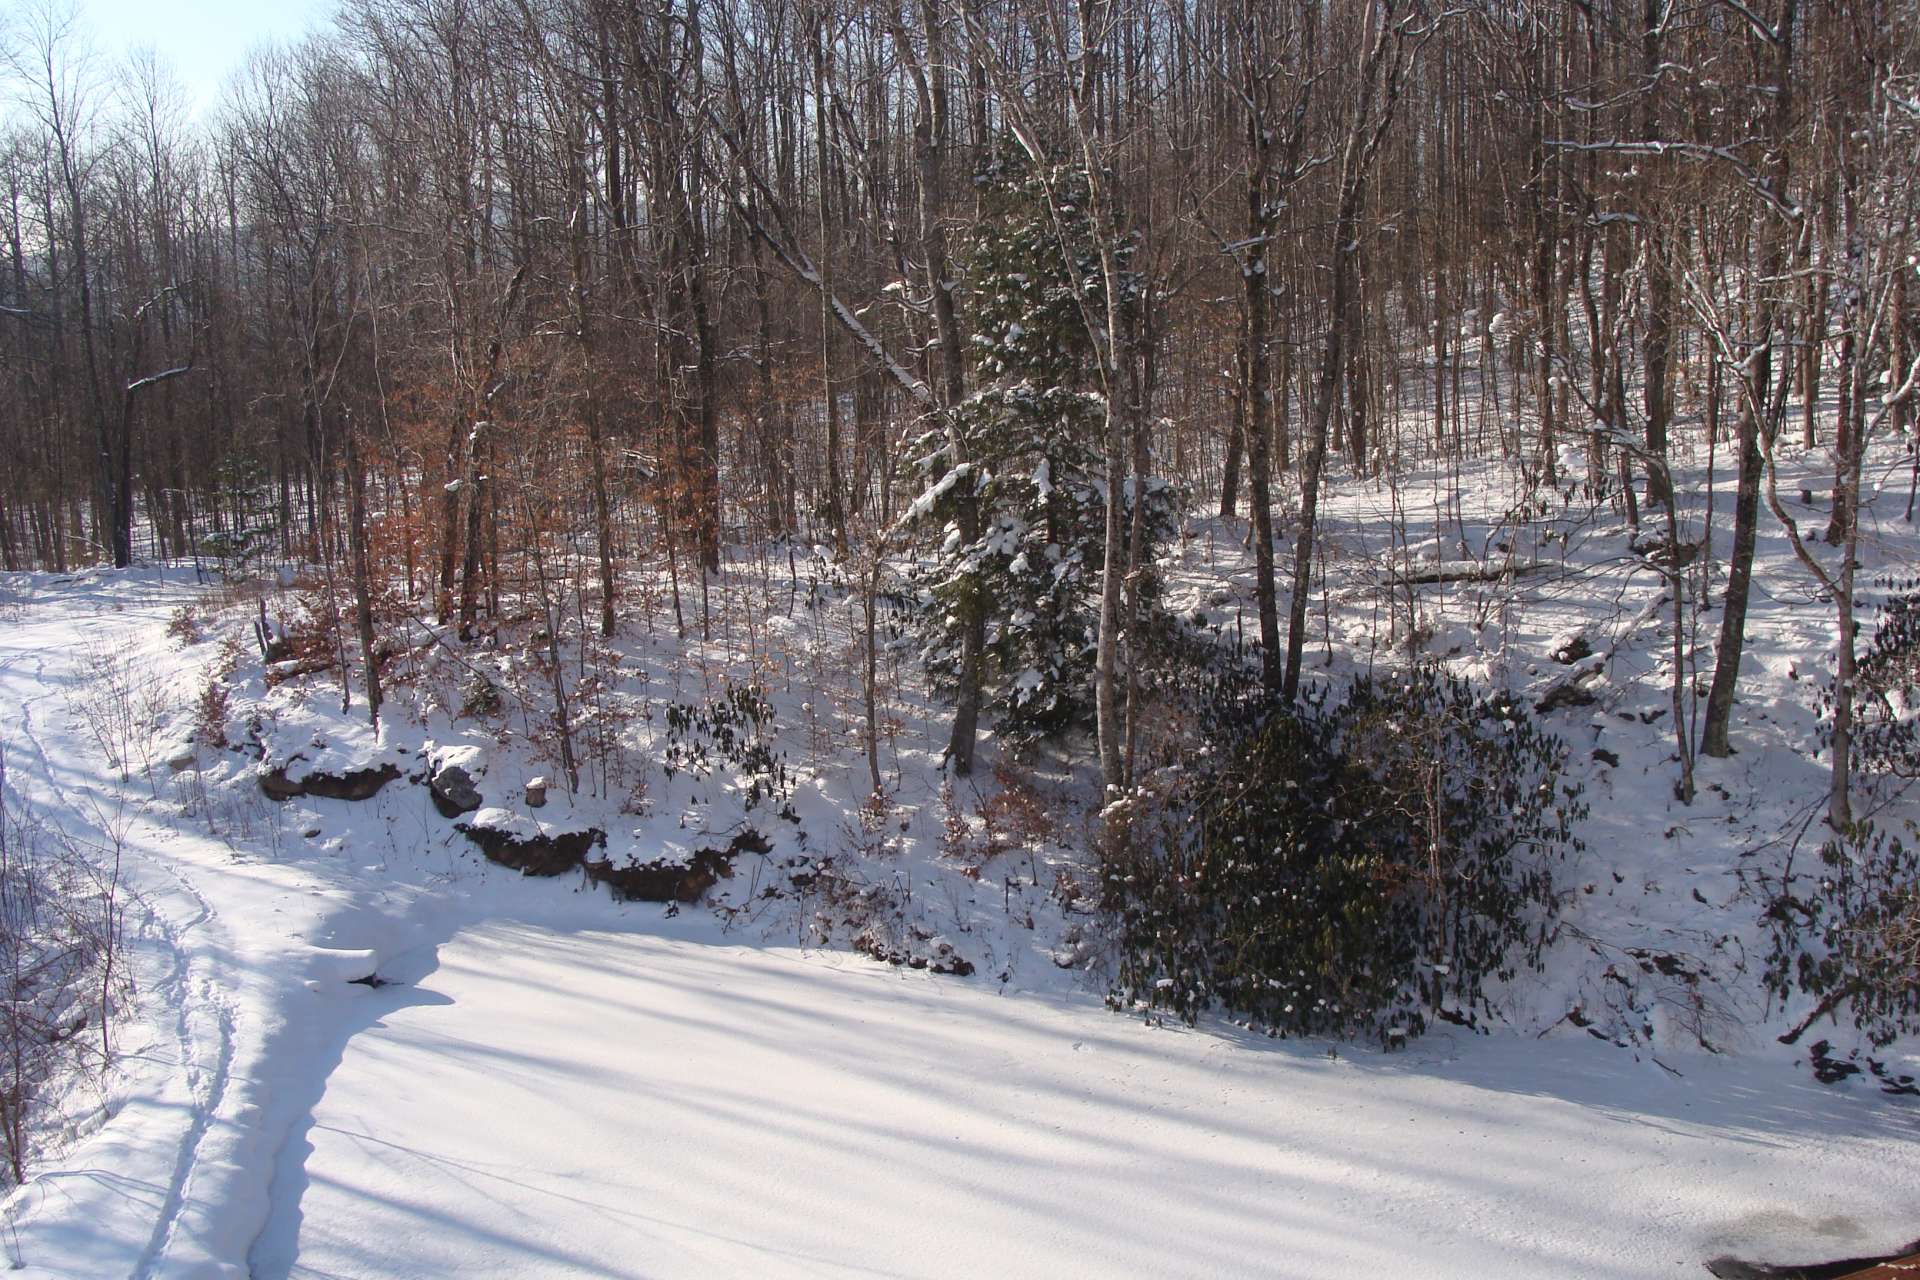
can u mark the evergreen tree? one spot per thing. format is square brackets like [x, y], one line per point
[1032, 432]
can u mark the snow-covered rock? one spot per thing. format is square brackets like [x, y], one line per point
[529, 847]
[453, 778]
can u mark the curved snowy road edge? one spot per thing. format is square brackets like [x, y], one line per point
[239, 962]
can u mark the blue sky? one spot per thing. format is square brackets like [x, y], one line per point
[204, 41]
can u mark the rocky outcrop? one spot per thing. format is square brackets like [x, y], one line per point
[662, 880]
[536, 849]
[526, 846]
[353, 784]
[936, 955]
[682, 879]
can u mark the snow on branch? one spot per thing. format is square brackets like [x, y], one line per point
[1692, 151]
[141, 384]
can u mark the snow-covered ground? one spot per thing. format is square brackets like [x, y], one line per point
[577, 1102]
[557, 1084]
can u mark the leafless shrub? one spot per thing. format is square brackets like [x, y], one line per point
[121, 707]
[1016, 814]
[184, 626]
[61, 980]
[210, 714]
[1899, 941]
[956, 833]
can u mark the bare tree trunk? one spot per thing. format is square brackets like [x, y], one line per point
[833, 503]
[1714, 738]
[1756, 410]
[1810, 359]
[473, 488]
[458, 428]
[870, 675]
[1140, 393]
[362, 570]
[1850, 376]
[931, 128]
[590, 406]
[1256, 393]
[1657, 353]
[1236, 445]
[1380, 75]
[706, 339]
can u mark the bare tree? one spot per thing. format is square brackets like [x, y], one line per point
[1393, 34]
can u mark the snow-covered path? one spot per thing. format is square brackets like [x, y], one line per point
[240, 979]
[129, 1202]
[555, 1086]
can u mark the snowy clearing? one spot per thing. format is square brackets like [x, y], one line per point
[584, 1103]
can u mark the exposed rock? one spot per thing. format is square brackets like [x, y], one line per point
[675, 879]
[946, 960]
[662, 880]
[526, 846]
[453, 780]
[1572, 689]
[1568, 648]
[1568, 693]
[1664, 551]
[453, 792]
[536, 793]
[1737, 1269]
[355, 784]
[939, 957]
[1074, 950]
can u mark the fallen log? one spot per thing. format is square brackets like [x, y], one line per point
[280, 672]
[1437, 571]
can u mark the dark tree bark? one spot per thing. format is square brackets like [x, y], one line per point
[1759, 403]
